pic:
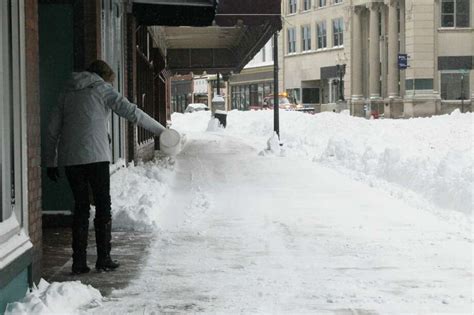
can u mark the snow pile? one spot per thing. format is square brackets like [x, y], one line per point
[138, 194]
[431, 157]
[273, 146]
[213, 125]
[192, 122]
[56, 298]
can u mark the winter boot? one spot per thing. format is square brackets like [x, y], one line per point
[103, 236]
[79, 247]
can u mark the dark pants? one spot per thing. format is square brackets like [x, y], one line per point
[81, 177]
[97, 176]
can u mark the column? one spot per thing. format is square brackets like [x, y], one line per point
[357, 55]
[392, 49]
[374, 52]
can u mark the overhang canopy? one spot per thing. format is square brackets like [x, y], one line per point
[238, 30]
[174, 12]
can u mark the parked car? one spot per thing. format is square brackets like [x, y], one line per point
[284, 102]
[196, 107]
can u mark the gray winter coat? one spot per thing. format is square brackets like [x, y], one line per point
[77, 131]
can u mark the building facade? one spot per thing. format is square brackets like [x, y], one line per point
[314, 46]
[247, 89]
[43, 41]
[400, 58]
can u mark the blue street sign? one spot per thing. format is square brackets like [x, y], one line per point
[402, 61]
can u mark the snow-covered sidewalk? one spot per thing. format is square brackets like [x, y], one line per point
[242, 232]
[251, 234]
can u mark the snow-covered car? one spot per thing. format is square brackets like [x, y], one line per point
[196, 107]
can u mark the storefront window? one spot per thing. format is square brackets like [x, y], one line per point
[253, 95]
[455, 86]
[10, 110]
[112, 53]
[260, 94]
[310, 95]
[5, 110]
[294, 95]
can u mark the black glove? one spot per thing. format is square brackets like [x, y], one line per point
[53, 173]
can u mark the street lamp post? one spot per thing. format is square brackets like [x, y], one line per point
[462, 93]
[341, 71]
[218, 84]
[276, 100]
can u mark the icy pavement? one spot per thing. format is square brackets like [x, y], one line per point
[243, 233]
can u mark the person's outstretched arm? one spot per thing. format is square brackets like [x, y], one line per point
[120, 105]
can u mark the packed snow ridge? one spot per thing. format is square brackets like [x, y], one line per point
[431, 157]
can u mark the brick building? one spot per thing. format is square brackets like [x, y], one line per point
[43, 41]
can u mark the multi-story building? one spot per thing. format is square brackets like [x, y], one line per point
[314, 42]
[374, 38]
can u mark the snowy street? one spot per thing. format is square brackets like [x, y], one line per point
[251, 234]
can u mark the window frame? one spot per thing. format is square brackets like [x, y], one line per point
[113, 52]
[306, 37]
[338, 35]
[14, 228]
[306, 5]
[322, 36]
[454, 14]
[322, 3]
[13, 89]
[291, 40]
[292, 6]
[467, 92]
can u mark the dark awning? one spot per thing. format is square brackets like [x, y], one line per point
[241, 28]
[174, 12]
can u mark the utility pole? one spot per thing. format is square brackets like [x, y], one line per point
[276, 99]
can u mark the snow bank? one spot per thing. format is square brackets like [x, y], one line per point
[138, 193]
[432, 157]
[56, 298]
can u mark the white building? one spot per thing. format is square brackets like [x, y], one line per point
[369, 37]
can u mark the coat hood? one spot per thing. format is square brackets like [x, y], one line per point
[82, 80]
